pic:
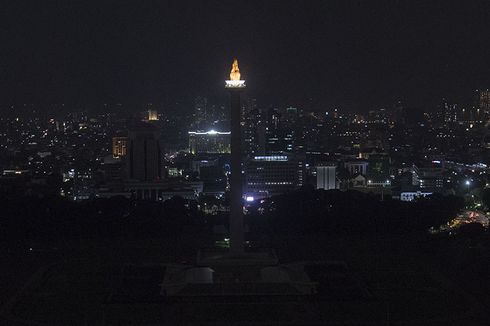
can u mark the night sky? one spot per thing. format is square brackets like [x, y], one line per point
[318, 54]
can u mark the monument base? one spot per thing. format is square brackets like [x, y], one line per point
[223, 257]
[221, 273]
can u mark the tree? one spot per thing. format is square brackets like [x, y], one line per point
[485, 197]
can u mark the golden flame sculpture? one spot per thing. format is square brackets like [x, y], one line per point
[235, 81]
[235, 71]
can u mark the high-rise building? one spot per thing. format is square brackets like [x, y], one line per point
[209, 142]
[119, 147]
[429, 175]
[200, 110]
[254, 133]
[273, 175]
[292, 115]
[113, 169]
[152, 115]
[484, 100]
[280, 141]
[450, 112]
[326, 176]
[144, 154]
[483, 105]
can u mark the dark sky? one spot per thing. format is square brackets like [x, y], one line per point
[352, 54]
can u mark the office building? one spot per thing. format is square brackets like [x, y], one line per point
[272, 175]
[209, 142]
[413, 195]
[254, 133]
[357, 166]
[144, 161]
[484, 100]
[119, 147]
[200, 111]
[152, 115]
[326, 176]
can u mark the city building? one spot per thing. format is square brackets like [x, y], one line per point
[326, 176]
[379, 167]
[357, 166]
[200, 111]
[144, 161]
[163, 190]
[152, 115]
[119, 146]
[429, 176]
[450, 113]
[272, 175]
[209, 142]
[358, 181]
[484, 100]
[254, 133]
[113, 169]
[413, 195]
[280, 141]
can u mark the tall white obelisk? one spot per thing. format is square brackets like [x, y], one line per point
[235, 85]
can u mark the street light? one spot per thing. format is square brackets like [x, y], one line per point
[467, 182]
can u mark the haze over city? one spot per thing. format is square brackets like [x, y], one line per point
[320, 54]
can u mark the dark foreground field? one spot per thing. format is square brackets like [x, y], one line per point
[412, 279]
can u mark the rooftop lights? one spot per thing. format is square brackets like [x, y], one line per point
[210, 132]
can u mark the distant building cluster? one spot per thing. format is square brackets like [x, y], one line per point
[209, 142]
[402, 152]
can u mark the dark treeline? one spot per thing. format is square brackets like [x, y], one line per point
[58, 220]
[319, 211]
[306, 211]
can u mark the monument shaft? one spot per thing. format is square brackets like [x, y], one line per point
[236, 208]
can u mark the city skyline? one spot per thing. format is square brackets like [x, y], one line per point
[339, 175]
[356, 56]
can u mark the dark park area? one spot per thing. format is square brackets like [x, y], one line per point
[91, 260]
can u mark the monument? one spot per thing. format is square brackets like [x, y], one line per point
[235, 85]
[245, 284]
[236, 272]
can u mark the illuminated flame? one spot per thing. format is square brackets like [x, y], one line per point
[235, 71]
